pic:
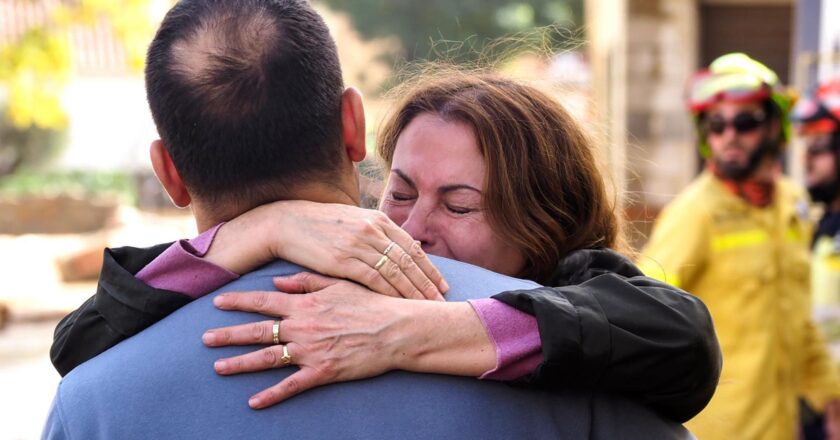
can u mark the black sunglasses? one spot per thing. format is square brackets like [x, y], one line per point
[743, 122]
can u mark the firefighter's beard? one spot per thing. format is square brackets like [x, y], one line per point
[825, 192]
[740, 172]
[829, 191]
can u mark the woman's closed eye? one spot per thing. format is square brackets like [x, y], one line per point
[462, 201]
[401, 197]
[460, 210]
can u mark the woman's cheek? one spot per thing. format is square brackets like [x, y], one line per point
[397, 214]
[470, 241]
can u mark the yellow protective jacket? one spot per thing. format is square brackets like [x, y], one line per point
[825, 283]
[750, 266]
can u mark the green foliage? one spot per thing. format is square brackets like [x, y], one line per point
[84, 184]
[430, 29]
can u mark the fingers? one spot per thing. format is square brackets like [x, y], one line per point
[246, 334]
[428, 268]
[418, 268]
[363, 273]
[424, 287]
[395, 276]
[304, 282]
[267, 358]
[300, 381]
[266, 303]
[429, 279]
[396, 269]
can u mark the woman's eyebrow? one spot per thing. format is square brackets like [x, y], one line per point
[442, 190]
[449, 188]
[404, 177]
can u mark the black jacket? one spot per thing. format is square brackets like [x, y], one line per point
[605, 326]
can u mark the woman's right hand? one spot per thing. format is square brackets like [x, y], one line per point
[336, 331]
[342, 241]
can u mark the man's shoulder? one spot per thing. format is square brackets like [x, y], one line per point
[693, 204]
[705, 187]
[472, 282]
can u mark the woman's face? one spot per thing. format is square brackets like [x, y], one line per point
[435, 193]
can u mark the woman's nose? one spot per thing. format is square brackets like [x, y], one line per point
[417, 223]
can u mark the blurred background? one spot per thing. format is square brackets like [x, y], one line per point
[75, 127]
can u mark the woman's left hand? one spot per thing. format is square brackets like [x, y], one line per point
[340, 331]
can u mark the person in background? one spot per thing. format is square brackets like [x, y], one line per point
[817, 118]
[738, 237]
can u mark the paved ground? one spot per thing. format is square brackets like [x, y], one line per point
[31, 287]
[27, 379]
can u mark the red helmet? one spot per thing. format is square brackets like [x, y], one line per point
[819, 111]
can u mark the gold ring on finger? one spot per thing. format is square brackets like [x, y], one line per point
[287, 358]
[381, 262]
[275, 332]
[388, 249]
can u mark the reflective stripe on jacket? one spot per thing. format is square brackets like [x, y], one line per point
[751, 267]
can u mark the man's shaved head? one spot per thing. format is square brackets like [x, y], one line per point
[246, 96]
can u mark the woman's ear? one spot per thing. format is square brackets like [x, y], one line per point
[353, 124]
[168, 175]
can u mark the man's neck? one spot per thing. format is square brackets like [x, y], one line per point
[207, 217]
[758, 188]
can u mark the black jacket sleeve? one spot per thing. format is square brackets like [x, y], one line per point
[608, 327]
[121, 308]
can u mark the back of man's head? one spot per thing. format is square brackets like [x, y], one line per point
[246, 96]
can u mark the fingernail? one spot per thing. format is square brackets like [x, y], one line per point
[209, 338]
[444, 286]
[254, 402]
[219, 300]
[220, 366]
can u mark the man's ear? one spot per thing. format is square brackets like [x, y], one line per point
[353, 124]
[168, 175]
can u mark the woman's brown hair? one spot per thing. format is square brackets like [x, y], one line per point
[544, 192]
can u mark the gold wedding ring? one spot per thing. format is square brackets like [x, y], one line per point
[287, 358]
[275, 332]
[388, 249]
[381, 262]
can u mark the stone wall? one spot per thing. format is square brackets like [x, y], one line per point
[661, 57]
[53, 215]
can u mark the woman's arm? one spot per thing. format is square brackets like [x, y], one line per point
[121, 307]
[341, 331]
[341, 240]
[337, 240]
[137, 287]
[615, 331]
[622, 332]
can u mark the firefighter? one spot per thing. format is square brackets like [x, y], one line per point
[817, 118]
[738, 238]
